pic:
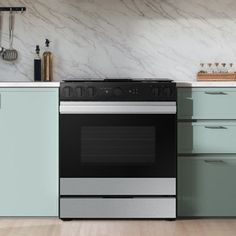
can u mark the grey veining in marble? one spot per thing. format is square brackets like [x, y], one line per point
[122, 38]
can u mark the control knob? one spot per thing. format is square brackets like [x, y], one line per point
[155, 92]
[167, 92]
[91, 91]
[79, 91]
[67, 92]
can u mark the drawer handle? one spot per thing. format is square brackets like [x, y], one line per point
[215, 127]
[215, 162]
[216, 93]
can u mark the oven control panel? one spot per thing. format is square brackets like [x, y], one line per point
[117, 91]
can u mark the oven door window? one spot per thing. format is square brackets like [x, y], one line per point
[117, 146]
[122, 145]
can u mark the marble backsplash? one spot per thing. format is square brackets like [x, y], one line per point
[121, 38]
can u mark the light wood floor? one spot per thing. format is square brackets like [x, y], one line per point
[55, 227]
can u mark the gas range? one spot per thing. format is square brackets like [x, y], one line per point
[118, 90]
[118, 149]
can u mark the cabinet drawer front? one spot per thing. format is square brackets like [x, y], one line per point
[206, 137]
[207, 103]
[206, 186]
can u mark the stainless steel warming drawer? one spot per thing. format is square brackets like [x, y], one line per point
[117, 208]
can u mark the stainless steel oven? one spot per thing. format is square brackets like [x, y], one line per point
[117, 155]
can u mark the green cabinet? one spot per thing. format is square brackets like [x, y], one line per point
[206, 186]
[206, 152]
[29, 152]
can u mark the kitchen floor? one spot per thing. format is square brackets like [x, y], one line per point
[55, 227]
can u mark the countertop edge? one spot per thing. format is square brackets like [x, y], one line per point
[202, 84]
[29, 84]
[179, 84]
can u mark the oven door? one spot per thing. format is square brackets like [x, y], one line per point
[117, 139]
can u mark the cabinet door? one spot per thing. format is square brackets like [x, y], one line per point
[29, 152]
[206, 186]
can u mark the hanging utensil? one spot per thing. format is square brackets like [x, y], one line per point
[1, 48]
[10, 54]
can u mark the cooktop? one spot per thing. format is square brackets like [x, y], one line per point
[120, 89]
[147, 80]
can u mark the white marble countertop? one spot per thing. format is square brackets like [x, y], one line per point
[202, 84]
[29, 84]
[180, 84]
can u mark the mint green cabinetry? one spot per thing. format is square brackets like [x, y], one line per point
[206, 152]
[207, 186]
[28, 152]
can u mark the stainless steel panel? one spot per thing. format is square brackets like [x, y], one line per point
[117, 186]
[118, 208]
[118, 107]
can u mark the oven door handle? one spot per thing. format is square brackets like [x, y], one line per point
[117, 107]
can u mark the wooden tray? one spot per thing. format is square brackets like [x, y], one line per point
[216, 77]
